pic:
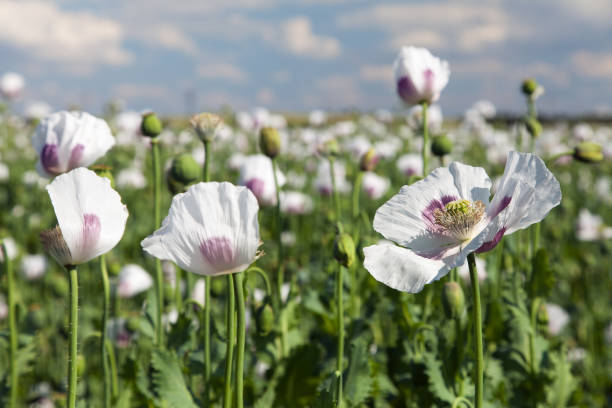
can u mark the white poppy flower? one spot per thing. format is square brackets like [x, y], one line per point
[11, 85]
[198, 292]
[590, 227]
[294, 202]
[557, 318]
[410, 164]
[37, 110]
[374, 185]
[67, 140]
[434, 118]
[419, 76]
[442, 219]
[90, 215]
[133, 279]
[211, 229]
[33, 266]
[256, 174]
[323, 181]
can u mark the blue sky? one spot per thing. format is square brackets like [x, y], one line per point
[304, 54]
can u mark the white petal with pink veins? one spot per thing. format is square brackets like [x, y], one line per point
[211, 229]
[89, 212]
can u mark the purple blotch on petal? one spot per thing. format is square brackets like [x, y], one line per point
[428, 212]
[487, 246]
[91, 230]
[501, 206]
[49, 158]
[218, 252]
[75, 156]
[406, 90]
[256, 186]
[429, 81]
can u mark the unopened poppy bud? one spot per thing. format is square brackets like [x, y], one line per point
[441, 146]
[206, 125]
[183, 172]
[543, 315]
[344, 250]
[529, 86]
[534, 127]
[150, 126]
[269, 142]
[103, 170]
[369, 160]
[330, 148]
[265, 319]
[453, 300]
[588, 152]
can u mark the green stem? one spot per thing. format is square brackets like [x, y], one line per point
[230, 339]
[159, 279]
[425, 150]
[280, 276]
[8, 268]
[241, 339]
[263, 275]
[178, 297]
[340, 318]
[553, 158]
[74, 323]
[335, 196]
[356, 191]
[103, 354]
[113, 368]
[207, 283]
[477, 318]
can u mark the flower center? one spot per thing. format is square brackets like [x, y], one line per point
[459, 217]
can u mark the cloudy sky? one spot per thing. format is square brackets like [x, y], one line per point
[297, 55]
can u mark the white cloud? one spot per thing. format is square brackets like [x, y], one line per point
[297, 37]
[132, 91]
[378, 73]
[592, 64]
[170, 37]
[335, 91]
[80, 40]
[468, 27]
[222, 70]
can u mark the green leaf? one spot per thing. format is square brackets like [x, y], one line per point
[542, 278]
[437, 384]
[168, 380]
[563, 384]
[358, 384]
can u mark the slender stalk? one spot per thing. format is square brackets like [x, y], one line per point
[74, 323]
[103, 353]
[425, 150]
[230, 339]
[178, 297]
[10, 280]
[241, 339]
[263, 276]
[159, 279]
[280, 276]
[113, 369]
[335, 196]
[207, 283]
[477, 318]
[356, 191]
[340, 318]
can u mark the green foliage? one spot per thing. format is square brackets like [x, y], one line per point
[168, 380]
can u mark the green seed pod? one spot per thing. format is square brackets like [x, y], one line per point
[80, 365]
[269, 142]
[588, 152]
[104, 171]
[264, 319]
[369, 160]
[344, 250]
[534, 127]
[453, 300]
[529, 86]
[133, 324]
[150, 126]
[217, 287]
[206, 125]
[441, 146]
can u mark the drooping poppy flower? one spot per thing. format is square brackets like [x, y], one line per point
[419, 76]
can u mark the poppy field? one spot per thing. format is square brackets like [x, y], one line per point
[259, 259]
